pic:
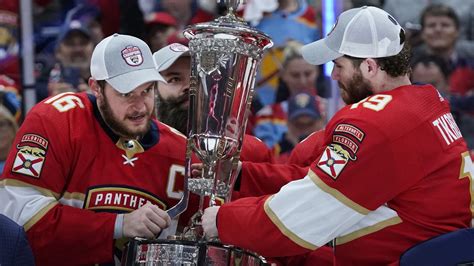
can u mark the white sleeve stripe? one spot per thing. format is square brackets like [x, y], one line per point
[337, 194]
[382, 217]
[74, 196]
[24, 204]
[74, 199]
[72, 202]
[295, 238]
[308, 215]
[18, 183]
[39, 215]
[368, 230]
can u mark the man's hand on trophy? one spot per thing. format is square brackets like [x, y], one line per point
[147, 221]
[209, 224]
[196, 170]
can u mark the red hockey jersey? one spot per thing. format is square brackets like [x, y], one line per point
[258, 179]
[307, 150]
[69, 174]
[395, 171]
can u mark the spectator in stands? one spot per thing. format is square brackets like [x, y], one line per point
[9, 40]
[159, 27]
[440, 34]
[431, 69]
[10, 96]
[304, 118]
[293, 20]
[73, 53]
[93, 18]
[298, 76]
[185, 12]
[8, 128]
[407, 12]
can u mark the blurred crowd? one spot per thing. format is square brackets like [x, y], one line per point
[291, 95]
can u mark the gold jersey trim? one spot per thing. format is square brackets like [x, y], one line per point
[292, 236]
[18, 183]
[337, 194]
[74, 196]
[368, 230]
[39, 215]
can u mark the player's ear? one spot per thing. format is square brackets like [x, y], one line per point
[94, 86]
[369, 68]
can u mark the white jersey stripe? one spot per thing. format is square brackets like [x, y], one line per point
[72, 202]
[24, 204]
[377, 220]
[39, 215]
[337, 194]
[18, 183]
[307, 214]
[285, 230]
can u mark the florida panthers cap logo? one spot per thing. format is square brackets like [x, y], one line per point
[132, 55]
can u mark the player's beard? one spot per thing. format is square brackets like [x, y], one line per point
[119, 127]
[357, 89]
[172, 112]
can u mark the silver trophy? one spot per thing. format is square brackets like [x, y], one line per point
[225, 55]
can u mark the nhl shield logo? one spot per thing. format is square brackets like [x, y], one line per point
[132, 55]
[29, 161]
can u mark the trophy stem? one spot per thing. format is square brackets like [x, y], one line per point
[212, 176]
[201, 203]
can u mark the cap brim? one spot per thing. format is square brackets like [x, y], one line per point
[318, 53]
[302, 112]
[167, 62]
[129, 81]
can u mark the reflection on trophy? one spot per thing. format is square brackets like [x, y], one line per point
[225, 54]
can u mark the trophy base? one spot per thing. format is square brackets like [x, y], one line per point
[184, 252]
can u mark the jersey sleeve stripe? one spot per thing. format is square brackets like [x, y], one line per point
[77, 203]
[39, 215]
[377, 220]
[74, 196]
[17, 183]
[24, 205]
[337, 194]
[295, 238]
[306, 214]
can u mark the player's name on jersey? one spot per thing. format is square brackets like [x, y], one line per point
[447, 128]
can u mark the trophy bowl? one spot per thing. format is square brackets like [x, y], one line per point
[225, 55]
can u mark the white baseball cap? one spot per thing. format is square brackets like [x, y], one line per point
[365, 32]
[167, 55]
[124, 61]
